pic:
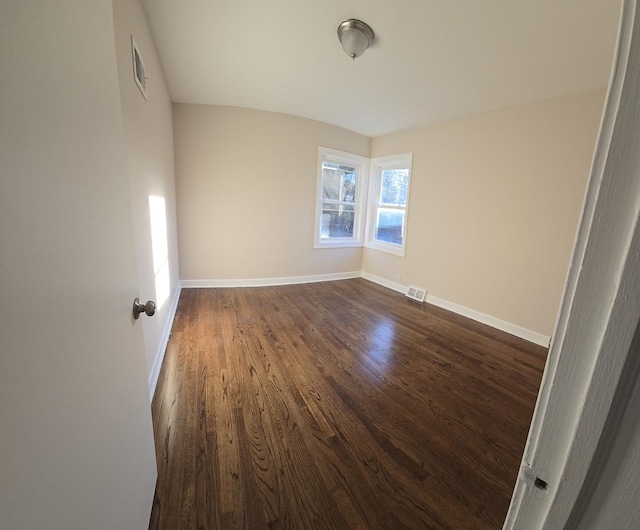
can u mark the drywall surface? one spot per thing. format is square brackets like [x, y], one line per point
[494, 207]
[246, 186]
[148, 129]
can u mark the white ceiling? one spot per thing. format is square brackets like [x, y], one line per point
[432, 60]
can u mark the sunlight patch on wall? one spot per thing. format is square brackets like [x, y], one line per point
[160, 248]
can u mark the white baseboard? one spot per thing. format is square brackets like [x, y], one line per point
[513, 329]
[502, 325]
[162, 347]
[267, 282]
[384, 282]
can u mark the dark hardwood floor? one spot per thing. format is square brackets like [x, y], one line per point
[337, 405]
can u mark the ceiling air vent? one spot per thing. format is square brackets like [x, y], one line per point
[417, 293]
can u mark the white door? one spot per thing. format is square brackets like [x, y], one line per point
[76, 442]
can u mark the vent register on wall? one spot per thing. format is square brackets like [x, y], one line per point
[139, 72]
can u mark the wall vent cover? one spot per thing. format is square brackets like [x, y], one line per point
[139, 71]
[417, 293]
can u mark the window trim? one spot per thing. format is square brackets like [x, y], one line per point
[361, 163]
[378, 165]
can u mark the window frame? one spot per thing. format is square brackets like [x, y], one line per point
[378, 166]
[361, 164]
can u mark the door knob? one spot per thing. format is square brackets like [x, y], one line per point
[149, 308]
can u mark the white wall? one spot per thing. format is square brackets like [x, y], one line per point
[148, 128]
[246, 183]
[494, 207]
[76, 441]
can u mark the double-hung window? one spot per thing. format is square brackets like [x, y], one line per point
[388, 203]
[341, 198]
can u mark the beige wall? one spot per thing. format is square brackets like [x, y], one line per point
[246, 188]
[494, 207]
[495, 201]
[148, 130]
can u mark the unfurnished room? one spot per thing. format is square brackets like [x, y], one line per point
[319, 265]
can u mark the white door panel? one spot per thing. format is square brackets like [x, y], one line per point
[76, 443]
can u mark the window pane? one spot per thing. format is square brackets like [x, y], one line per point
[393, 187]
[338, 182]
[337, 220]
[389, 227]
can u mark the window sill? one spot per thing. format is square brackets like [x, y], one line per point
[389, 249]
[344, 243]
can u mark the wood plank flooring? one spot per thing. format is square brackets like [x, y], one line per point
[337, 405]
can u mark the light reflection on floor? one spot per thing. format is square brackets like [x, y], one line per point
[381, 350]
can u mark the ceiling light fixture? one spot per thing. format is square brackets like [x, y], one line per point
[355, 37]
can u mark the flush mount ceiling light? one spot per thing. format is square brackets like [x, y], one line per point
[355, 37]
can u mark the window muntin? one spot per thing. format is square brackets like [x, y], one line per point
[389, 193]
[340, 211]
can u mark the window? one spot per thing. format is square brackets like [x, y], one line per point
[388, 203]
[342, 179]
